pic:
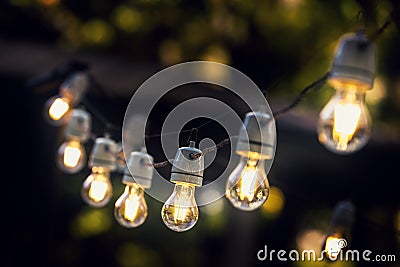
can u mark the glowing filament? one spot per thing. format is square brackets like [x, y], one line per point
[181, 209]
[247, 184]
[98, 190]
[248, 181]
[71, 156]
[131, 208]
[58, 109]
[346, 118]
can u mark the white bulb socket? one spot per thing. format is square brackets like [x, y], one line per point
[354, 61]
[74, 86]
[188, 166]
[79, 126]
[343, 214]
[139, 169]
[257, 135]
[103, 153]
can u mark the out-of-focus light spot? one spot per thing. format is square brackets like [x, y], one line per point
[49, 2]
[170, 52]
[97, 32]
[217, 53]
[133, 255]
[398, 222]
[126, 18]
[229, 25]
[215, 71]
[274, 204]
[91, 222]
[196, 33]
[291, 3]
[215, 207]
[214, 219]
[311, 239]
[375, 95]
[314, 240]
[20, 3]
[350, 8]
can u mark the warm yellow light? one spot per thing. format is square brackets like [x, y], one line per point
[49, 2]
[180, 212]
[98, 190]
[181, 209]
[247, 182]
[58, 109]
[131, 207]
[333, 247]
[274, 204]
[346, 118]
[72, 155]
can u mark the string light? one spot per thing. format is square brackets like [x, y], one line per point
[131, 209]
[247, 187]
[344, 123]
[338, 234]
[96, 190]
[344, 127]
[180, 212]
[71, 156]
[70, 92]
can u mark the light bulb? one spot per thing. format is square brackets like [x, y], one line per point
[338, 234]
[56, 110]
[344, 123]
[71, 157]
[69, 94]
[247, 187]
[180, 212]
[97, 189]
[131, 209]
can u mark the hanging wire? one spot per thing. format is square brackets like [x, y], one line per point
[360, 18]
[307, 90]
[314, 86]
[376, 34]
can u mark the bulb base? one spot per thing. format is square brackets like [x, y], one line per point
[74, 87]
[187, 166]
[139, 169]
[103, 153]
[257, 136]
[355, 61]
[79, 125]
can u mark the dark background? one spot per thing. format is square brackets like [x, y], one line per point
[281, 45]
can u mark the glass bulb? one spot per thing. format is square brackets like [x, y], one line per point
[131, 209]
[97, 189]
[71, 157]
[180, 212]
[56, 110]
[247, 187]
[344, 123]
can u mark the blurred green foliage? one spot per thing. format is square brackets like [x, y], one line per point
[290, 41]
